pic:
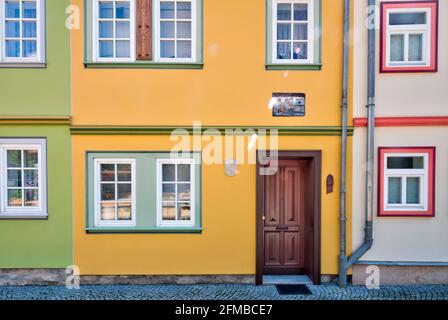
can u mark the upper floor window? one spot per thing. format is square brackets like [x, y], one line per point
[406, 181]
[22, 31]
[152, 31]
[22, 178]
[409, 36]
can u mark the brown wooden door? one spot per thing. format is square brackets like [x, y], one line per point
[283, 228]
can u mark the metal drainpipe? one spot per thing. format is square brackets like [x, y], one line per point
[346, 262]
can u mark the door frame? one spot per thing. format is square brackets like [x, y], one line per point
[314, 157]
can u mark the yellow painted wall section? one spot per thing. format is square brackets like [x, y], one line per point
[227, 243]
[233, 88]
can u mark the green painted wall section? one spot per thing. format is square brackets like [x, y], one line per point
[42, 243]
[36, 91]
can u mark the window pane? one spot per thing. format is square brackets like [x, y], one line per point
[124, 192]
[183, 10]
[169, 211]
[108, 211]
[29, 48]
[124, 211]
[107, 172]
[123, 49]
[183, 192]
[30, 158]
[167, 49]
[184, 49]
[14, 178]
[394, 194]
[284, 50]
[14, 158]
[184, 30]
[407, 18]
[31, 178]
[168, 172]
[12, 48]
[122, 10]
[107, 192]
[413, 190]
[300, 12]
[14, 198]
[29, 9]
[167, 10]
[184, 211]
[168, 192]
[12, 29]
[106, 29]
[183, 172]
[397, 47]
[415, 47]
[284, 12]
[124, 172]
[283, 31]
[405, 162]
[29, 29]
[122, 29]
[300, 50]
[300, 31]
[166, 29]
[31, 198]
[12, 9]
[106, 10]
[106, 49]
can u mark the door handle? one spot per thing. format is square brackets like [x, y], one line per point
[282, 227]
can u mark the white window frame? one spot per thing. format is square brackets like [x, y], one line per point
[23, 212]
[423, 174]
[406, 30]
[176, 223]
[194, 26]
[95, 32]
[97, 193]
[310, 40]
[40, 34]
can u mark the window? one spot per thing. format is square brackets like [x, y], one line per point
[406, 181]
[409, 36]
[115, 192]
[22, 179]
[175, 191]
[147, 192]
[144, 32]
[22, 31]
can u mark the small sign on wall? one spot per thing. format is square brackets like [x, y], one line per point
[288, 104]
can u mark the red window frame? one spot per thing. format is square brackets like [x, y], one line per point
[430, 212]
[430, 4]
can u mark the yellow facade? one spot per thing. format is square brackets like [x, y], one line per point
[232, 89]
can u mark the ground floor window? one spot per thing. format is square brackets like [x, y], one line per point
[406, 181]
[22, 178]
[143, 192]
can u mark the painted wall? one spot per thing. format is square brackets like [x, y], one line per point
[42, 92]
[227, 243]
[233, 88]
[42, 243]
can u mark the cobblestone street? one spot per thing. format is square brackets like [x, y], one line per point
[221, 292]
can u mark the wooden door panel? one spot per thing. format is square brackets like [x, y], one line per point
[291, 196]
[292, 249]
[272, 200]
[272, 252]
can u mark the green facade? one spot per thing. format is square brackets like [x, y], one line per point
[28, 93]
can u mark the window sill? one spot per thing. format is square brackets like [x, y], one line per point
[142, 65]
[23, 65]
[23, 216]
[279, 66]
[178, 230]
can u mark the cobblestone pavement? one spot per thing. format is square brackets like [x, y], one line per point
[221, 292]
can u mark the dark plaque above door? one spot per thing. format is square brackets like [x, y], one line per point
[288, 104]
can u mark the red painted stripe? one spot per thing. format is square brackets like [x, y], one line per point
[403, 121]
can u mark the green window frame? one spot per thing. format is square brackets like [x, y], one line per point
[314, 62]
[155, 63]
[145, 192]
